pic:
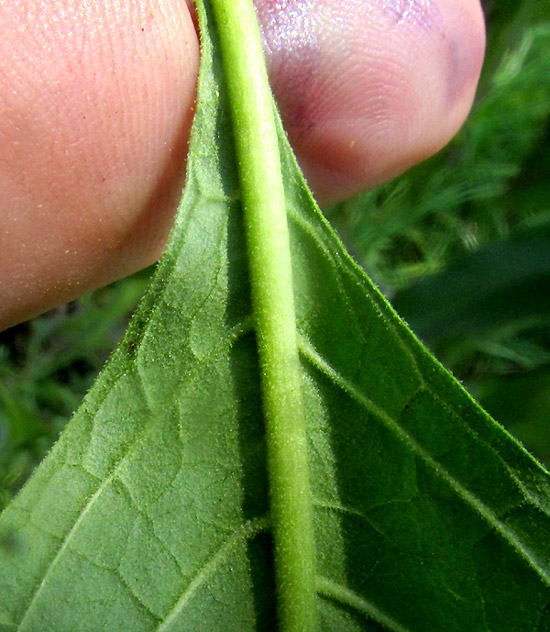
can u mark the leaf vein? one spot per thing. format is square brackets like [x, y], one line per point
[245, 532]
[335, 591]
[335, 258]
[317, 360]
[506, 532]
[65, 543]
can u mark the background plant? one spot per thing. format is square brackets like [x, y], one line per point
[490, 185]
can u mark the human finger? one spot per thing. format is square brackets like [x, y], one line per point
[97, 102]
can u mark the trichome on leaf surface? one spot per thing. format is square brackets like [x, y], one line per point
[270, 448]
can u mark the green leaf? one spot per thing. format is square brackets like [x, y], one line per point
[152, 512]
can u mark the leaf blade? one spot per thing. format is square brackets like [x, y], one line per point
[163, 470]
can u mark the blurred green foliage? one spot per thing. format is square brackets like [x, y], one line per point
[460, 244]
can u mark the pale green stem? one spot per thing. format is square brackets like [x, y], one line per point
[273, 304]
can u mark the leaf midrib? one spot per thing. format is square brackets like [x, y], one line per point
[258, 158]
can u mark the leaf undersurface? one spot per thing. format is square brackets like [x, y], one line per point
[152, 512]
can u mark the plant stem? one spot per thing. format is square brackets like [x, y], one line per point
[265, 218]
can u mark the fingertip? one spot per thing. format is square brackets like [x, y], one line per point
[97, 111]
[367, 89]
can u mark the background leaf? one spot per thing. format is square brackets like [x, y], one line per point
[502, 285]
[151, 512]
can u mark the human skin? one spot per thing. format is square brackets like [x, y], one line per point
[96, 103]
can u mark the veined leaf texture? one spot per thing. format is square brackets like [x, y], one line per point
[152, 511]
